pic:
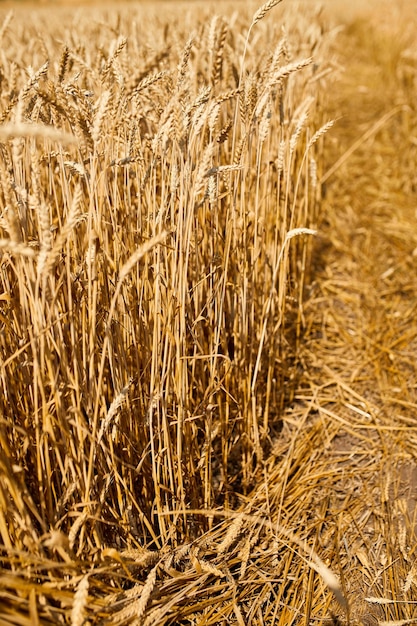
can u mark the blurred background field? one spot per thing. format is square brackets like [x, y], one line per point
[337, 6]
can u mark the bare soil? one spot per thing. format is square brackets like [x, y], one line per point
[360, 386]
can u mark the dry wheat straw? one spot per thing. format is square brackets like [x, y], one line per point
[283, 535]
[8, 131]
[102, 110]
[382, 601]
[165, 157]
[259, 15]
[295, 232]
[113, 409]
[263, 10]
[411, 578]
[80, 602]
[73, 218]
[297, 132]
[32, 82]
[146, 592]
[287, 70]
[182, 67]
[6, 23]
[75, 529]
[13, 247]
[141, 557]
[375, 127]
[147, 82]
[319, 133]
[231, 534]
[401, 622]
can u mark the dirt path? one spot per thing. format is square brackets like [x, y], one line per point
[361, 352]
[351, 480]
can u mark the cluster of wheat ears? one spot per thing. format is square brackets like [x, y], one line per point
[159, 189]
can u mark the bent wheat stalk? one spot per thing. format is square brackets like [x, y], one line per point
[295, 232]
[312, 558]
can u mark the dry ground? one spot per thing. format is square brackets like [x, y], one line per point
[360, 389]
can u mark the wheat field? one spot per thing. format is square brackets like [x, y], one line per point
[173, 185]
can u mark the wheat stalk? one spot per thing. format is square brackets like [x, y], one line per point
[13, 247]
[146, 592]
[9, 131]
[80, 602]
[113, 409]
[263, 10]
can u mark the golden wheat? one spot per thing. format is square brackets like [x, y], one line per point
[155, 213]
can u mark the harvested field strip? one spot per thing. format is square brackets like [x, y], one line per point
[355, 487]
